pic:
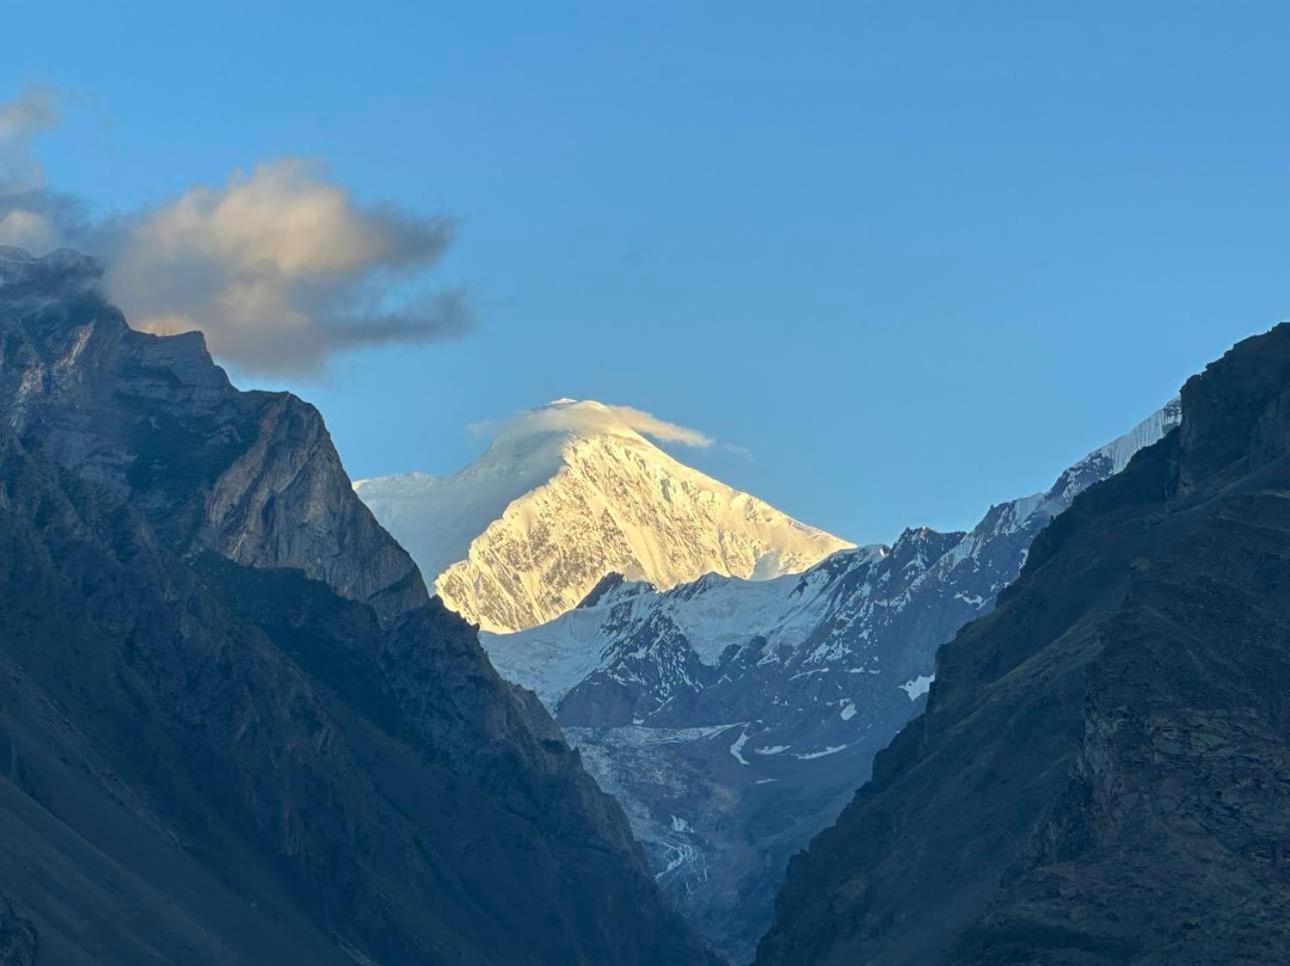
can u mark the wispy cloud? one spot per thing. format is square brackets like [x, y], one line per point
[32, 216]
[32, 111]
[650, 425]
[279, 267]
[588, 416]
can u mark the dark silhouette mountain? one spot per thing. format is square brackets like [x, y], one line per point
[233, 726]
[1102, 772]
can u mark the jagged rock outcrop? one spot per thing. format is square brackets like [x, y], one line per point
[1102, 772]
[251, 475]
[230, 730]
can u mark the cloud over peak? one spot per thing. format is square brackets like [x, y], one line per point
[591, 417]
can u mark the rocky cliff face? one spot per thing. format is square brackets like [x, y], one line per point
[233, 729]
[252, 476]
[1102, 772]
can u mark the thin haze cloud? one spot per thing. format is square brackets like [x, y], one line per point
[32, 216]
[279, 267]
[586, 416]
[32, 111]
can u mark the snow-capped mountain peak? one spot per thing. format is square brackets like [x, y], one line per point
[569, 493]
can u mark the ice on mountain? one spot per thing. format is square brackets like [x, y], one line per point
[822, 753]
[918, 686]
[736, 749]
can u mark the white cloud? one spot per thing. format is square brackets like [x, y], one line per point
[651, 425]
[588, 416]
[279, 268]
[28, 228]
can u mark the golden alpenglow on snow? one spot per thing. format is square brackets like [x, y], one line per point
[569, 493]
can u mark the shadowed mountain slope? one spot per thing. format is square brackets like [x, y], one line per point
[233, 727]
[1102, 772]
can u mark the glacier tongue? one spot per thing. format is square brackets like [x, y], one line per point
[566, 495]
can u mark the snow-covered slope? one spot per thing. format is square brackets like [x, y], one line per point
[711, 614]
[567, 494]
[735, 718]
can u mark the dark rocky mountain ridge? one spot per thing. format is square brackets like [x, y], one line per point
[1102, 771]
[233, 726]
[250, 475]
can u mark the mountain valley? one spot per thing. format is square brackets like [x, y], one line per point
[735, 718]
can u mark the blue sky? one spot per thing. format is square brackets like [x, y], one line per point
[914, 257]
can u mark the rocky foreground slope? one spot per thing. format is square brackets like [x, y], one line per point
[233, 727]
[566, 495]
[1102, 772]
[735, 718]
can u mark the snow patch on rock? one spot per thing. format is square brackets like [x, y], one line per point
[918, 686]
